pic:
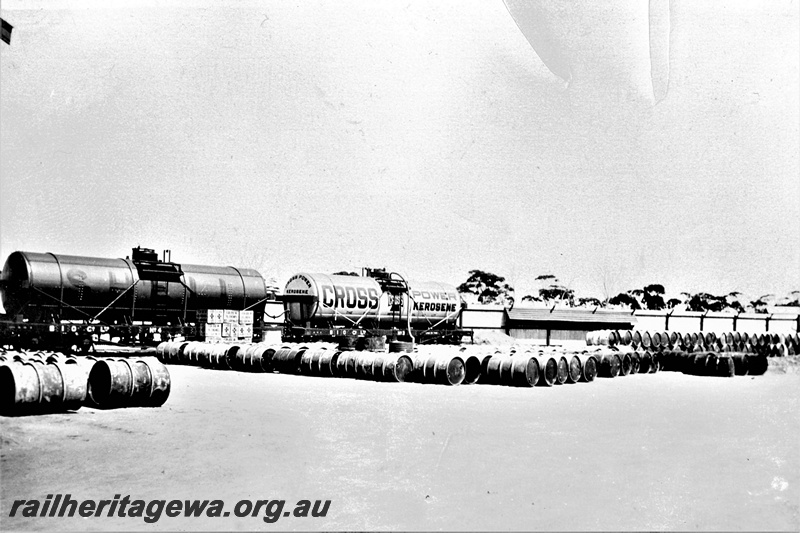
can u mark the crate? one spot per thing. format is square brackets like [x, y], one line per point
[213, 330]
[210, 316]
[246, 317]
[231, 315]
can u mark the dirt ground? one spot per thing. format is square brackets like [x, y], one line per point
[664, 451]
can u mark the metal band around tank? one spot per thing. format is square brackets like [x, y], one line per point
[60, 282]
[244, 287]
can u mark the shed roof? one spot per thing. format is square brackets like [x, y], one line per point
[570, 315]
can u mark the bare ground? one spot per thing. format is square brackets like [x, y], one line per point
[664, 451]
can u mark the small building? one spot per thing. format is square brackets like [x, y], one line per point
[556, 325]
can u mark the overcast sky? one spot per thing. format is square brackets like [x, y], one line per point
[426, 137]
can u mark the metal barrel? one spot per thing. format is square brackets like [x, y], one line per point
[161, 351]
[726, 367]
[609, 364]
[562, 369]
[524, 371]
[345, 364]
[217, 356]
[636, 338]
[655, 365]
[588, 367]
[669, 360]
[645, 361]
[238, 357]
[575, 369]
[263, 355]
[142, 382]
[703, 364]
[250, 357]
[378, 362]
[697, 339]
[625, 337]
[191, 353]
[710, 338]
[34, 388]
[674, 338]
[287, 360]
[442, 369]
[683, 362]
[636, 361]
[491, 374]
[626, 364]
[323, 362]
[655, 340]
[485, 358]
[607, 337]
[548, 370]
[507, 369]
[472, 369]
[647, 340]
[175, 352]
[711, 364]
[197, 353]
[757, 364]
[395, 367]
[309, 362]
[449, 370]
[364, 363]
[687, 341]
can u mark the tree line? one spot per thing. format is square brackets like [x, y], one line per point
[489, 288]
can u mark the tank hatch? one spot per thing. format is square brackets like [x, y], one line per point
[151, 269]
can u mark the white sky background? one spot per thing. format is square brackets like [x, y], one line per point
[426, 137]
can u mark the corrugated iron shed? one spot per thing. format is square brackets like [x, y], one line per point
[580, 315]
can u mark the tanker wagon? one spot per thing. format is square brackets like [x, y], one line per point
[60, 301]
[328, 307]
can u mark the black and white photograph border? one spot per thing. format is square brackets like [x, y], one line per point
[399, 265]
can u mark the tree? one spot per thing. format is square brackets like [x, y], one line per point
[792, 300]
[759, 305]
[488, 287]
[554, 292]
[625, 298]
[557, 292]
[653, 297]
[703, 301]
[589, 302]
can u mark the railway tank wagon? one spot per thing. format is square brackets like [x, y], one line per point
[39, 289]
[325, 306]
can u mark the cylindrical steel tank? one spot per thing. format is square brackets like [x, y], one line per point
[44, 285]
[349, 300]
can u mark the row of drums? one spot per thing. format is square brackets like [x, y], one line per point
[769, 344]
[446, 368]
[49, 382]
[727, 364]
